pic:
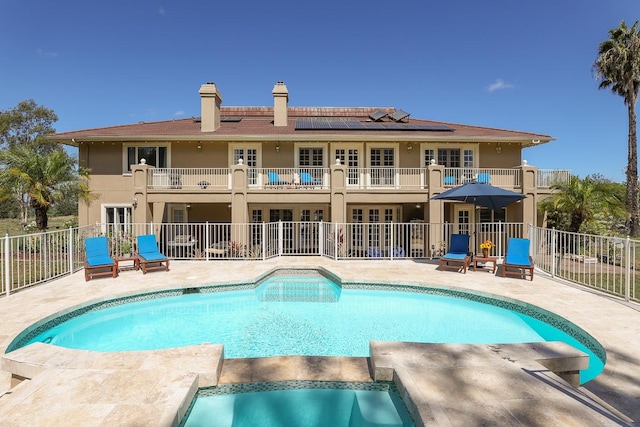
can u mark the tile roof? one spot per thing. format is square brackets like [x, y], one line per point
[258, 122]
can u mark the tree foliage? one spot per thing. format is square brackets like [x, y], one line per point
[35, 173]
[42, 178]
[618, 68]
[27, 123]
[593, 205]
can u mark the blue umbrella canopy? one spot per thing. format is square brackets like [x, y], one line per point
[481, 194]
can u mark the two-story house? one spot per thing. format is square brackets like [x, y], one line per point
[335, 164]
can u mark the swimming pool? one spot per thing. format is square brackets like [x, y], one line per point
[298, 403]
[306, 314]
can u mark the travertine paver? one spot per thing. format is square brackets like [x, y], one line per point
[59, 395]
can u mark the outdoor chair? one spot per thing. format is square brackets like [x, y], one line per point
[398, 252]
[484, 178]
[307, 179]
[517, 261]
[98, 261]
[374, 252]
[149, 255]
[274, 179]
[449, 180]
[458, 255]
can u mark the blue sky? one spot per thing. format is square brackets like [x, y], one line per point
[523, 65]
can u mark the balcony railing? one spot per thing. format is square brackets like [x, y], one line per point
[548, 177]
[373, 178]
[189, 178]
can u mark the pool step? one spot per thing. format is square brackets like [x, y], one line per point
[375, 409]
[282, 289]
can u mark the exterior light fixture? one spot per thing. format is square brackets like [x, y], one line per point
[499, 148]
[134, 202]
[409, 147]
[199, 146]
[277, 147]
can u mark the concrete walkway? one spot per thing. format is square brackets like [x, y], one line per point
[487, 385]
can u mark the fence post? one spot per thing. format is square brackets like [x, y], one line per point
[553, 252]
[321, 239]
[627, 270]
[392, 244]
[207, 240]
[7, 258]
[280, 237]
[264, 240]
[335, 241]
[70, 250]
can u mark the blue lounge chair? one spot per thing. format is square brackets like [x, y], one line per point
[398, 252]
[484, 178]
[274, 179]
[374, 252]
[307, 179]
[449, 180]
[98, 261]
[517, 261]
[149, 255]
[458, 255]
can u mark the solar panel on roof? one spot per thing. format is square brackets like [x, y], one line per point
[378, 115]
[399, 115]
[353, 124]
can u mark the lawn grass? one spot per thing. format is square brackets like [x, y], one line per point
[12, 227]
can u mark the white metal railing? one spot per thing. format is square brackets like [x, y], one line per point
[548, 177]
[295, 178]
[371, 178]
[189, 178]
[499, 177]
[601, 262]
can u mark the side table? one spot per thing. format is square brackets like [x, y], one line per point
[490, 259]
[134, 259]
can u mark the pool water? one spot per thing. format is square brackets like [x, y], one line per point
[301, 316]
[302, 407]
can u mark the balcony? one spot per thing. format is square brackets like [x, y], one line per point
[357, 179]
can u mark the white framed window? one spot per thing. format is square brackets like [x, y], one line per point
[311, 156]
[251, 155]
[158, 155]
[449, 156]
[116, 217]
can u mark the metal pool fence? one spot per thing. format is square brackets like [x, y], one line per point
[600, 262]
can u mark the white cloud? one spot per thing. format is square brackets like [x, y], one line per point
[499, 84]
[179, 113]
[41, 52]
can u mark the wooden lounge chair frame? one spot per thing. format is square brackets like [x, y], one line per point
[458, 256]
[157, 260]
[110, 269]
[518, 269]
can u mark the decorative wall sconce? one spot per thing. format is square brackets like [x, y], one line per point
[409, 147]
[499, 148]
[188, 206]
[134, 202]
[199, 146]
[277, 147]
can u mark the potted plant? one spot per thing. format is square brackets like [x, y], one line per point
[485, 246]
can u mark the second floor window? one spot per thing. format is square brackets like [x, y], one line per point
[311, 157]
[153, 155]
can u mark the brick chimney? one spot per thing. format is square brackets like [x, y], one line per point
[210, 100]
[280, 103]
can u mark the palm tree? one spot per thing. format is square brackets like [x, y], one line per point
[618, 67]
[576, 203]
[42, 178]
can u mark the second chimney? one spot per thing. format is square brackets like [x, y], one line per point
[210, 100]
[280, 104]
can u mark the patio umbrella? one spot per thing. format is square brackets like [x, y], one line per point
[480, 194]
